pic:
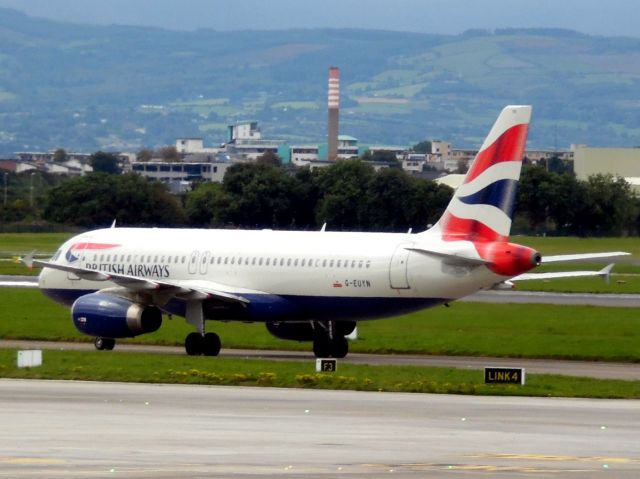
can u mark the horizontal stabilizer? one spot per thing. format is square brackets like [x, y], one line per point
[604, 273]
[582, 256]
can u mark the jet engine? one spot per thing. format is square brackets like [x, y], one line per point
[105, 315]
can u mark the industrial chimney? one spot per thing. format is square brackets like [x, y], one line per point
[334, 110]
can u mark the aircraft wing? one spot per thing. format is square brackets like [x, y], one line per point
[183, 289]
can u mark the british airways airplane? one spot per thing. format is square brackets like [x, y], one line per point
[305, 286]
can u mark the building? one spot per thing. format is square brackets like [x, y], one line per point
[624, 162]
[179, 175]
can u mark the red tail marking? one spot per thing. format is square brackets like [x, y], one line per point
[508, 147]
[456, 229]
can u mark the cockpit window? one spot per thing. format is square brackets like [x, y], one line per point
[57, 255]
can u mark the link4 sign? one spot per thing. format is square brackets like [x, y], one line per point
[504, 376]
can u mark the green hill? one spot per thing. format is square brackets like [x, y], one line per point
[89, 87]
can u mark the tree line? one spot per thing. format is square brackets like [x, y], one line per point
[348, 195]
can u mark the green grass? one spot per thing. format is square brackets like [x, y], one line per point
[475, 329]
[158, 368]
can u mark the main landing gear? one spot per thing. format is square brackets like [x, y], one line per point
[196, 344]
[330, 341]
[104, 344]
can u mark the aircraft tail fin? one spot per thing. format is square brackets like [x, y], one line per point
[482, 207]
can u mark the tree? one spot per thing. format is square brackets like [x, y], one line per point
[102, 162]
[269, 157]
[343, 194]
[169, 154]
[144, 155]
[260, 195]
[422, 147]
[60, 155]
[388, 193]
[206, 204]
[99, 198]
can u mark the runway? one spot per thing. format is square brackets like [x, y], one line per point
[58, 429]
[593, 369]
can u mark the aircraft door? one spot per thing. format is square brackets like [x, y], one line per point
[398, 268]
[193, 262]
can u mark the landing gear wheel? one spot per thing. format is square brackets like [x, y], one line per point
[322, 347]
[339, 347]
[194, 344]
[104, 344]
[211, 344]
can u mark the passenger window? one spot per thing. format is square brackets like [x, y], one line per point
[353, 263]
[101, 257]
[128, 258]
[184, 259]
[302, 262]
[260, 262]
[324, 263]
[295, 262]
[213, 260]
[220, 260]
[338, 264]
[368, 263]
[155, 259]
[267, 261]
[360, 263]
[233, 260]
[254, 261]
[289, 262]
[226, 259]
[331, 264]
[281, 261]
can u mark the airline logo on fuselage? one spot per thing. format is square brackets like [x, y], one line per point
[142, 270]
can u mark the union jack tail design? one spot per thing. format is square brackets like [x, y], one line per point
[482, 208]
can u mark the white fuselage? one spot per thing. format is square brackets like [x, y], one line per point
[366, 275]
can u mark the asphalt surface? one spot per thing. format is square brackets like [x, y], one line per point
[600, 370]
[58, 429]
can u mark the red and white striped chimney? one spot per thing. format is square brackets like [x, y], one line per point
[334, 109]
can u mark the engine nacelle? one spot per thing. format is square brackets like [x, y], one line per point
[105, 315]
[306, 331]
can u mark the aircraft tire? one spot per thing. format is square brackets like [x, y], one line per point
[339, 347]
[211, 344]
[194, 344]
[104, 344]
[322, 347]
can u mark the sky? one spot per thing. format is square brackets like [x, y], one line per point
[595, 17]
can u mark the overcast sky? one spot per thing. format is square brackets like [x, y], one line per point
[598, 17]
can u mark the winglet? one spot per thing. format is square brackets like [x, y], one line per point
[28, 260]
[605, 273]
[113, 225]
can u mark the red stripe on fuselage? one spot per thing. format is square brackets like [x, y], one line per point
[508, 147]
[93, 246]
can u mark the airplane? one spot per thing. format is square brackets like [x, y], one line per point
[304, 285]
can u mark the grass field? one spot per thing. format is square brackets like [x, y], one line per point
[157, 368]
[510, 330]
